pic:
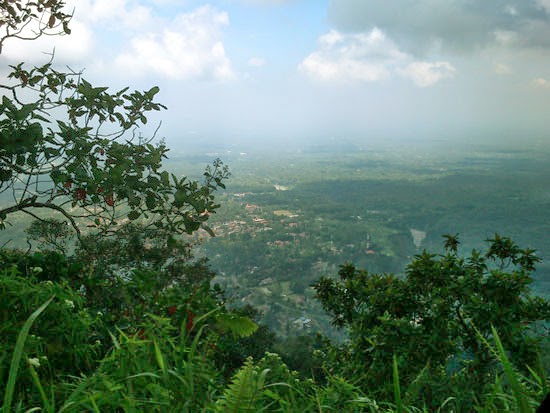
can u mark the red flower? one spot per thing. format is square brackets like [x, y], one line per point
[109, 200]
[172, 309]
[80, 194]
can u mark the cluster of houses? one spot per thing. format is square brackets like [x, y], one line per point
[253, 222]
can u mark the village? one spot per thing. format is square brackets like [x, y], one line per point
[268, 245]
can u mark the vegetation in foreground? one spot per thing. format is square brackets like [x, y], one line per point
[129, 321]
[457, 334]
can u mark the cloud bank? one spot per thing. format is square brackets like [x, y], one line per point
[422, 26]
[369, 57]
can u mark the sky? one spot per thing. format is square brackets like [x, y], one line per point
[279, 71]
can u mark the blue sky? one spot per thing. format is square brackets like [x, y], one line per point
[285, 70]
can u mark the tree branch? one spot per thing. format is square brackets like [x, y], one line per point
[31, 203]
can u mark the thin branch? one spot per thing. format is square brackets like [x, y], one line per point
[31, 203]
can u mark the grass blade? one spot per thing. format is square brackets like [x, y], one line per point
[18, 353]
[396, 387]
[511, 375]
[159, 357]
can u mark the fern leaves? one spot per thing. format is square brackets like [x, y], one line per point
[245, 390]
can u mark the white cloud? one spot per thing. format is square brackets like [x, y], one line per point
[92, 25]
[118, 14]
[128, 37]
[256, 62]
[68, 50]
[364, 56]
[541, 83]
[425, 74]
[369, 57]
[190, 47]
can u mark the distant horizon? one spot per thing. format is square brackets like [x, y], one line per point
[525, 143]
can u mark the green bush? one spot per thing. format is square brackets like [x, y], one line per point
[435, 320]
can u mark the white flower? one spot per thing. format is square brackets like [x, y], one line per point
[36, 270]
[34, 361]
[69, 304]
[416, 321]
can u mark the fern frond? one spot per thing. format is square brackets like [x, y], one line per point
[245, 390]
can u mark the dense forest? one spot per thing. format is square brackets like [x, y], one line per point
[127, 285]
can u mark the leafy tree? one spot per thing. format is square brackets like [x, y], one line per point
[301, 352]
[437, 318]
[51, 234]
[85, 167]
[75, 149]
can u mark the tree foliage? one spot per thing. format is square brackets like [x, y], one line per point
[76, 149]
[439, 315]
[28, 20]
[93, 168]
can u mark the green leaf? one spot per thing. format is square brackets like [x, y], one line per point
[165, 178]
[159, 357]
[153, 91]
[25, 111]
[8, 104]
[133, 215]
[171, 242]
[5, 174]
[150, 201]
[242, 393]
[239, 326]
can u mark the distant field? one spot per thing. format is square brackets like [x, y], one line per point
[368, 207]
[289, 217]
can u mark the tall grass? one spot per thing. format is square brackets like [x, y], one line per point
[396, 386]
[526, 392]
[18, 353]
[163, 372]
